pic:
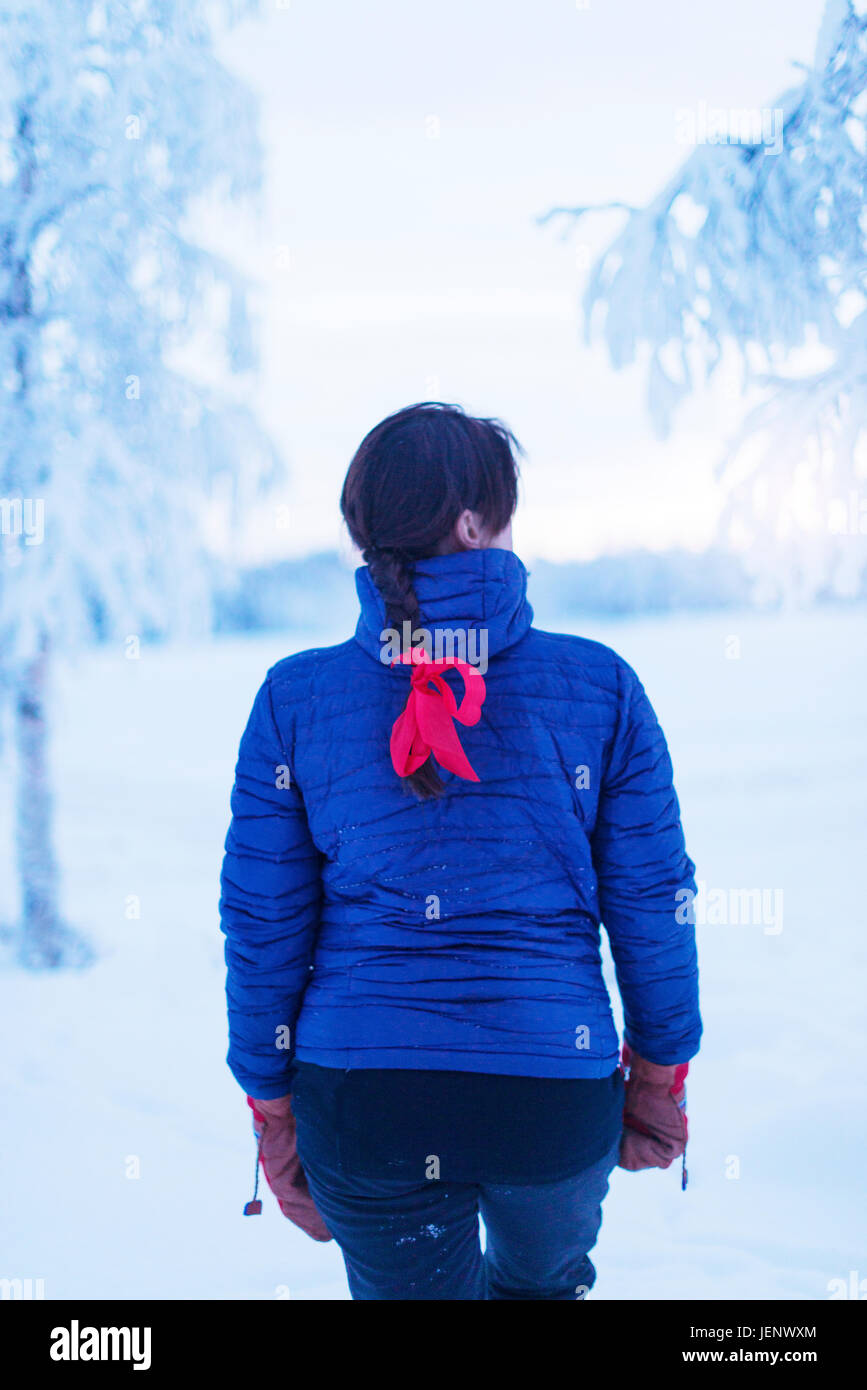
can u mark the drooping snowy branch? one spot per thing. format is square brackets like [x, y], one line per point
[758, 246]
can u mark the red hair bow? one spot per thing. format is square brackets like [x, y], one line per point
[426, 726]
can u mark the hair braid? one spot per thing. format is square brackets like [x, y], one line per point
[390, 570]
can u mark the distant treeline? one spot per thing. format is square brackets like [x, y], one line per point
[290, 593]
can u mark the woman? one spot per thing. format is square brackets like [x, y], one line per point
[429, 823]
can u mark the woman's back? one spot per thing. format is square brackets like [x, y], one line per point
[460, 932]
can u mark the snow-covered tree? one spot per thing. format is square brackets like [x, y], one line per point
[114, 119]
[755, 252]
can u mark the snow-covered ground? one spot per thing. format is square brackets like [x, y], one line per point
[124, 1062]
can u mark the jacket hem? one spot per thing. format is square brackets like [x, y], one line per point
[412, 1058]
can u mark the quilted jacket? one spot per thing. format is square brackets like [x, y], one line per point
[366, 928]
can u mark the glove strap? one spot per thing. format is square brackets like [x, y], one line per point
[254, 1206]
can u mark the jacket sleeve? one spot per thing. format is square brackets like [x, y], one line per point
[269, 907]
[647, 885]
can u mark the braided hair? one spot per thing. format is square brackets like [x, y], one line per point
[390, 572]
[409, 481]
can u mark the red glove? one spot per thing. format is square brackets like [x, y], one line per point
[654, 1114]
[274, 1128]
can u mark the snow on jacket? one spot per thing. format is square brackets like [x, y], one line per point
[365, 928]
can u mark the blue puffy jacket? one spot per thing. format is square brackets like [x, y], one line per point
[365, 928]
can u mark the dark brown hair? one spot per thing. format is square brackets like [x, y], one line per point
[411, 478]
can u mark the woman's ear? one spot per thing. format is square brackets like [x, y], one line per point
[469, 533]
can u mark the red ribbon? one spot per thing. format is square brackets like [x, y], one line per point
[426, 726]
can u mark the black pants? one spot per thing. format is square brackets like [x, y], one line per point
[419, 1238]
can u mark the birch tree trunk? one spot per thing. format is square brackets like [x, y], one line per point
[42, 939]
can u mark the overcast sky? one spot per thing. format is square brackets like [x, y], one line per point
[410, 149]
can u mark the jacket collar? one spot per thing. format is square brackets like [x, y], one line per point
[481, 590]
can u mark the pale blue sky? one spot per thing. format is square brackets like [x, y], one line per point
[409, 151]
